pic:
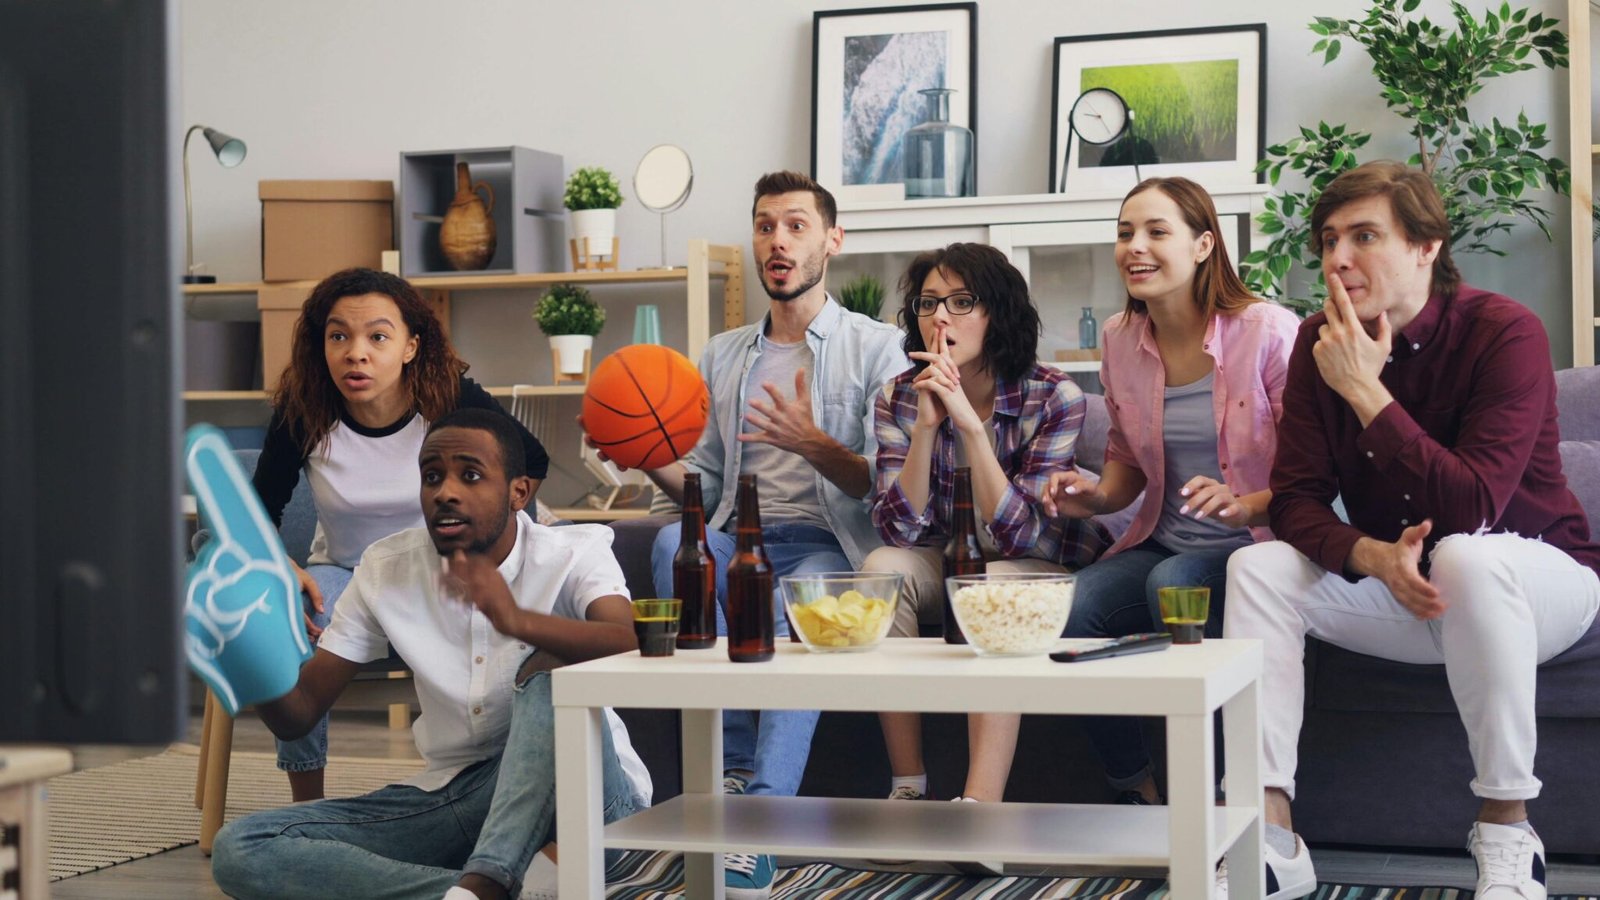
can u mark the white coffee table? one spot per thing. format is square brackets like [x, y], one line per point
[1185, 685]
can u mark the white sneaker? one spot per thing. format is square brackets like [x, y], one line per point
[1510, 862]
[1287, 877]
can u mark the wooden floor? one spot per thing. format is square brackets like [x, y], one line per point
[185, 874]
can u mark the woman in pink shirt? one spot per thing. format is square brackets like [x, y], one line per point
[1193, 371]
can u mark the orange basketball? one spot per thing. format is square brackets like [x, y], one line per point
[645, 406]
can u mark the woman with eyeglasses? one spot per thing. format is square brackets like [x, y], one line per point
[977, 397]
[1193, 371]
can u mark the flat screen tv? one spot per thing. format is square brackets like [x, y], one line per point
[90, 556]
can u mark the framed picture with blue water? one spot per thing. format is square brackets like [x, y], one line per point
[1196, 100]
[878, 74]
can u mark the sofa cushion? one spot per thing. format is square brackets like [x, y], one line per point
[1580, 462]
[1340, 680]
[1578, 403]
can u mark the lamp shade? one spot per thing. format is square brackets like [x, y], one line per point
[229, 149]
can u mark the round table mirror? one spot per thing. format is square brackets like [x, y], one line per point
[661, 184]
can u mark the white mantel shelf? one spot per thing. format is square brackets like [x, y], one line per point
[1019, 209]
[1015, 225]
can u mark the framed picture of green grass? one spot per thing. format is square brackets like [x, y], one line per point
[1198, 97]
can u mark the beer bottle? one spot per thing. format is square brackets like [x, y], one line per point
[963, 555]
[693, 578]
[750, 623]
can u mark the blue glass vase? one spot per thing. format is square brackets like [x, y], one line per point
[938, 154]
[1088, 330]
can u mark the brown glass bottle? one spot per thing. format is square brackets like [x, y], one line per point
[750, 624]
[694, 578]
[963, 555]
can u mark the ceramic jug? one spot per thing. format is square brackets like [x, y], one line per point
[467, 235]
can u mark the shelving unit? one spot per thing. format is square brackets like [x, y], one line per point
[1584, 153]
[707, 262]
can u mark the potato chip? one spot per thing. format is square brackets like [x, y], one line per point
[849, 620]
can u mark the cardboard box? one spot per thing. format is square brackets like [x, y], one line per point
[280, 312]
[311, 229]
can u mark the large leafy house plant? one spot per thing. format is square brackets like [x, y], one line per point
[1486, 172]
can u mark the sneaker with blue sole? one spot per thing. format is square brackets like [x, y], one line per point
[748, 876]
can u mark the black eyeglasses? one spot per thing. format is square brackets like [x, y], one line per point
[957, 304]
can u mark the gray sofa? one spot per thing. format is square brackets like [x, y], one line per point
[1383, 757]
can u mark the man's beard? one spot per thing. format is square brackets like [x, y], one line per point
[812, 276]
[483, 544]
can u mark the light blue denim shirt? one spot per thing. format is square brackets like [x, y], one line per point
[855, 356]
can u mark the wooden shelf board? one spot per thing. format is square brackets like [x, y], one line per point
[586, 514]
[542, 279]
[225, 395]
[478, 282]
[537, 390]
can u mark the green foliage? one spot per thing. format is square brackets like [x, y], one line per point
[1485, 172]
[863, 295]
[592, 188]
[568, 309]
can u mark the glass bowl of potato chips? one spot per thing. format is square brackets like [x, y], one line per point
[840, 612]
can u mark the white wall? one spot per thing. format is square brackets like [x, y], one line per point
[337, 89]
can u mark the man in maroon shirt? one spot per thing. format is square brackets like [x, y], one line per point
[1429, 407]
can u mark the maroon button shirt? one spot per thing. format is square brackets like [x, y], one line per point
[1470, 441]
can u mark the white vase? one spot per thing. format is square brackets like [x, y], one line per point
[598, 225]
[570, 348]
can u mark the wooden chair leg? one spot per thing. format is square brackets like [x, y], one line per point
[399, 716]
[218, 752]
[205, 743]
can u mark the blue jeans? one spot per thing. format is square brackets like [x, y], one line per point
[1117, 596]
[399, 842]
[776, 747]
[310, 753]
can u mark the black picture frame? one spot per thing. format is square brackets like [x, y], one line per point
[831, 49]
[1245, 45]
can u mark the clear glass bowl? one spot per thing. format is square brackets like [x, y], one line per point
[840, 612]
[1011, 615]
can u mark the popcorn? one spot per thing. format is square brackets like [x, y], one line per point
[1013, 617]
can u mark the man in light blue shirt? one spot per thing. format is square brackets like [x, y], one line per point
[791, 399]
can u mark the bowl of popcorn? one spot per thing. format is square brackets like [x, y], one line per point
[840, 612]
[1011, 615]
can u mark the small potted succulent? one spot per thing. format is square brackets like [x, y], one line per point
[571, 318]
[593, 196]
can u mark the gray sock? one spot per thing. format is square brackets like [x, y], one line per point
[1281, 840]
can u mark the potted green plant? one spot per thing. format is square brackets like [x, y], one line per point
[571, 318]
[863, 295]
[593, 197]
[1487, 173]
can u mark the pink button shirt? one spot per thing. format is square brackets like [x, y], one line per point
[1251, 350]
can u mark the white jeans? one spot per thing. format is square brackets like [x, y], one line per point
[1513, 603]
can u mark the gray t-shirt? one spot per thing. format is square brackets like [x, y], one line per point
[787, 483]
[1189, 435]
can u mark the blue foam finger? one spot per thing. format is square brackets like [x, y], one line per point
[243, 632]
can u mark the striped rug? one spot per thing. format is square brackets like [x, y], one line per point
[129, 810]
[646, 875]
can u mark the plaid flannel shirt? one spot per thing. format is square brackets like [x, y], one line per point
[1036, 422]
